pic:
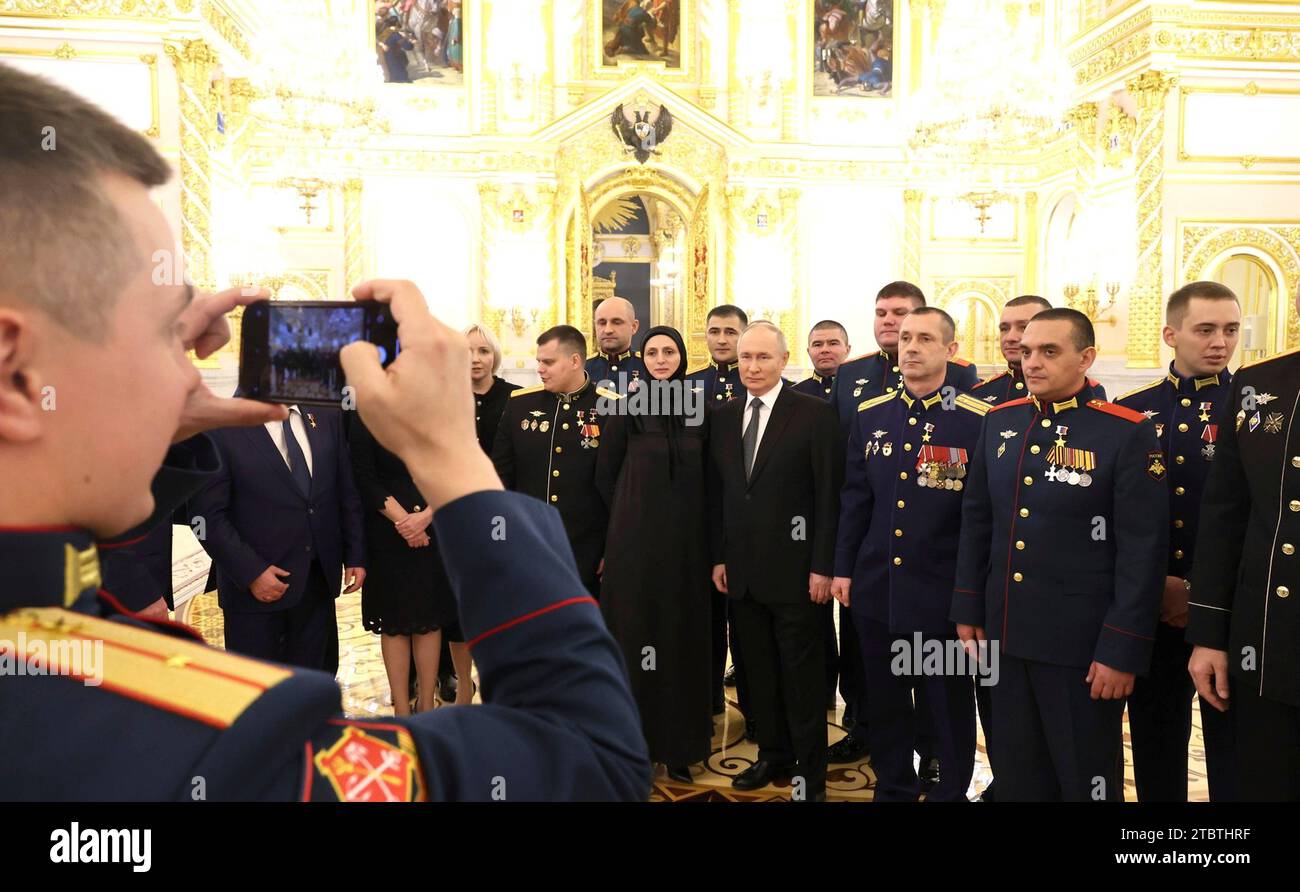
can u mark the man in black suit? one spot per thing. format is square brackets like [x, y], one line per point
[776, 467]
[282, 519]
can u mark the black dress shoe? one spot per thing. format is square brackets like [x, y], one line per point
[447, 689]
[987, 795]
[929, 773]
[719, 707]
[850, 749]
[680, 773]
[730, 678]
[760, 774]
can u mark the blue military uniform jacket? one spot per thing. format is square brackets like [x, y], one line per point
[1065, 517]
[1009, 384]
[144, 711]
[1185, 412]
[721, 383]
[621, 371]
[900, 508]
[816, 385]
[1245, 596]
[877, 374]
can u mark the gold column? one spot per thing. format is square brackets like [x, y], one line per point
[1149, 89]
[353, 245]
[792, 319]
[912, 199]
[735, 197]
[1031, 244]
[194, 61]
[1084, 118]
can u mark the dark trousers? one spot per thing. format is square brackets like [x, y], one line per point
[743, 700]
[894, 711]
[1053, 741]
[853, 685]
[831, 644]
[786, 665]
[304, 635]
[1268, 746]
[1160, 726]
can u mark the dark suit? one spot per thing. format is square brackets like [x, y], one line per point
[771, 531]
[255, 516]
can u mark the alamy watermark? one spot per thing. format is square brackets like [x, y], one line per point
[80, 658]
[921, 655]
[650, 396]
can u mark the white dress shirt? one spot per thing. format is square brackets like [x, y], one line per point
[276, 430]
[765, 413]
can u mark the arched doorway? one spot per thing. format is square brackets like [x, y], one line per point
[1256, 287]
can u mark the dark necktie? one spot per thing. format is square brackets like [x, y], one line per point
[297, 461]
[750, 440]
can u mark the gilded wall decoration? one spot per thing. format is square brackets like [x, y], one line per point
[852, 47]
[1205, 244]
[1146, 296]
[226, 27]
[194, 61]
[126, 9]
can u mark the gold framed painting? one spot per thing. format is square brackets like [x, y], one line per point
[853, 47]
[419, 41]
[641, 31]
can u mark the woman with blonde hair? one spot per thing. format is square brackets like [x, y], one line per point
[490, 390]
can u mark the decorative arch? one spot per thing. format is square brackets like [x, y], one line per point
[990, 294]
[1205, 246]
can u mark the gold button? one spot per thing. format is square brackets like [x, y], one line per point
[1020, 385]
[1018, 578]
[902, 504]
[1295, 461]
[566, 405]
[898, 562]
[1294, 506]
[559, 448]
[1178, 554]
[1024, 512]
[1029, 481]
[565, 425]
[1185, 401]
[911, 421]
[898, 532]
[555, 473]
[1020, 545]
[555, 498]
[1179, 490]
[895, 368]
[1288, 548]
[1179, 459]
[907, 447]
[902, 475]
[1182, 428]
[1283, 591]
[177, 661]
[1047, 422]
[889, 390]
[717, 396]
[1034, 449]
[416, 508]
[1178, 524]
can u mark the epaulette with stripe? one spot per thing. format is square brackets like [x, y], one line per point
[1118, 411]
[177, 676]
[877, 400]
[523, 390]
[609, 394]
[702, 368]
[991, 378]
[1264, 359]
[1023, 401]
[957, 360]
[1143, 389]
[966, 401]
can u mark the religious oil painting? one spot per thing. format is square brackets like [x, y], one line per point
[641, 30]
[853, 47]
[420, 41]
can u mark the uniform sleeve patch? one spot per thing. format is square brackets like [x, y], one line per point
[364, 763]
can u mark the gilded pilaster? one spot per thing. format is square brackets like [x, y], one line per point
[912, 200]
[194, 61]
[353, 242]
[1030, 281]
[1149, 89]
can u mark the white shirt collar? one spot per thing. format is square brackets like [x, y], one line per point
[769, 398]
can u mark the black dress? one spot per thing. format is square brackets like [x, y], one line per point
[655, 590]
[488, 408]
[407, 591]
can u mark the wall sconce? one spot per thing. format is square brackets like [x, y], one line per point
[308, 188]
[521, 319]
[1089, 305]
[982, 201]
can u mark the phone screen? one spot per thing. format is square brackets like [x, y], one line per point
[290, 349]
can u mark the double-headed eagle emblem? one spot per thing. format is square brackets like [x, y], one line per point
[641, 135]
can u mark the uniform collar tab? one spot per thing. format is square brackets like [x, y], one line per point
[729, 367]
[46, 566]
[1189, 384]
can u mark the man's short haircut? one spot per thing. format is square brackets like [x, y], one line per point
[571, 340]
[1181, 300]
[1081, 332]
[829, 323]
[948, 326]
[902, 289]
[769, 326]
[1024, 299]
[64, 248]
[728, 310]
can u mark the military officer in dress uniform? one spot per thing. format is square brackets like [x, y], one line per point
[1009, 384]
[616, 366]
[1202, 323]
[1244, 608]
[900, 512]
[1065, 508]
[828, 347]
[547, 441]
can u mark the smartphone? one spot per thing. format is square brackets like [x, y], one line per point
[289, 350]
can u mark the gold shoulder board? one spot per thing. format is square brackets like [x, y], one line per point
[523, 390]
[877, 400]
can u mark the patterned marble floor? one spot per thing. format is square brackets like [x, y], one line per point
[366, 695]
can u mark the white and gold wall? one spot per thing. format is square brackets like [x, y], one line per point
[1178, 158]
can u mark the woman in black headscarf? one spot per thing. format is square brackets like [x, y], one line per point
[654, 592]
